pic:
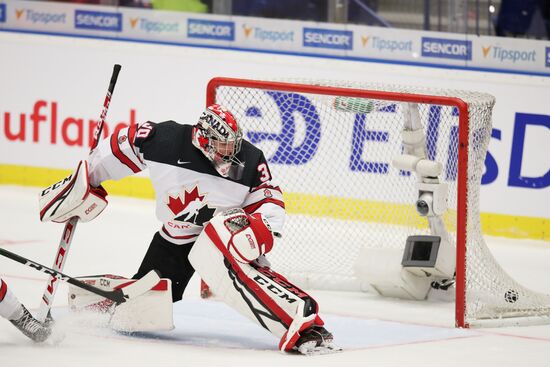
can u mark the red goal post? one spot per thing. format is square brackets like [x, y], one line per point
[281, 117]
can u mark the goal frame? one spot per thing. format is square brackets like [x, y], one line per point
[462, 164]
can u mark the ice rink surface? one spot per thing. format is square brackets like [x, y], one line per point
[372, 330]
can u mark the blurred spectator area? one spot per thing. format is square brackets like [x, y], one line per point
[509, 18]
[337, 11]
[525, 18]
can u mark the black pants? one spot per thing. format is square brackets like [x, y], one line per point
[171, 261]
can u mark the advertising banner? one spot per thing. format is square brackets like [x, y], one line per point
[39, 16]
[154, 26]
[268, 34]
[510, 54]
[354, 42]
[386, 44]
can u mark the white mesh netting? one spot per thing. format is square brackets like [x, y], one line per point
[332, 155]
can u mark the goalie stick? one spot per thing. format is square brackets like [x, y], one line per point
[118, 296]
[70, 226]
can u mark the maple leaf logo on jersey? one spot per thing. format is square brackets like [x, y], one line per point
[190, 207]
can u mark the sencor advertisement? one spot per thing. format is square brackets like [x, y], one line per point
[98, 20]
[447, 48]
[211, 29]
[327, 38]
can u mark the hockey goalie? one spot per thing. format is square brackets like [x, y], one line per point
[219, 209]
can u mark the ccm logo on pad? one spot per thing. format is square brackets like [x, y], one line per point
[92, 207]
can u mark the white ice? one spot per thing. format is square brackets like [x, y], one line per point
[372, 330]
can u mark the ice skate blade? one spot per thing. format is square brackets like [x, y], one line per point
[311, 348]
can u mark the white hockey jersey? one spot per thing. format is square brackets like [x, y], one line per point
[188, 190]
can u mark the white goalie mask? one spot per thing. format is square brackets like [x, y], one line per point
[218, 136]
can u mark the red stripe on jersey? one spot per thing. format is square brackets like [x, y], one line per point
[121, 156]
[251, 285]
[178, 237]
[253, 207]
[266, 186]
[3, 290]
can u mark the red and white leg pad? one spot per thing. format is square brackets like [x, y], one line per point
[259, 293]
[10, 307]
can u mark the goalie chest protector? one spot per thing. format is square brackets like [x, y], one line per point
[189, 190]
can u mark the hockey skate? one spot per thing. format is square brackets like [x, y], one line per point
[31, 327]
[315, 341]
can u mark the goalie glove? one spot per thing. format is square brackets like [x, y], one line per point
[72, 197]
[250, 235]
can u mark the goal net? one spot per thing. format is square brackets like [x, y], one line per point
[330, 146]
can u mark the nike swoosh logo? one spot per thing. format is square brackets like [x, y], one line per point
[182, 162]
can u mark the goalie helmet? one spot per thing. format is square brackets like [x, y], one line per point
[218, 136]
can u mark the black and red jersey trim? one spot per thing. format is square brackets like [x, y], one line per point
[253, 207]
[121, 156]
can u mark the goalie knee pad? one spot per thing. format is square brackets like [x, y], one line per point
[259, 293]
[72, 197]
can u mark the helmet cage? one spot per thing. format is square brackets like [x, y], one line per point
[218, 139]
[218, 136]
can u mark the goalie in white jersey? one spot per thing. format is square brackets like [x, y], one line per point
[201, 174]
